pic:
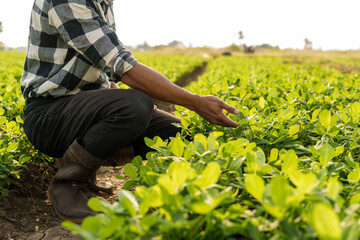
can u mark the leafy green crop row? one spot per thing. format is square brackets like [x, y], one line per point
[15, 149]
[290, 171]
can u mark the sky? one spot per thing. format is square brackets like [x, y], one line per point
[328, 24]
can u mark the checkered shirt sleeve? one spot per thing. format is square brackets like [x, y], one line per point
[72, 47]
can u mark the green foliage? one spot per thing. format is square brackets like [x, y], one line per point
[290, 171]
[15, 149]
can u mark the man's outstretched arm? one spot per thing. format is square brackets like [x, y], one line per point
[157, 86]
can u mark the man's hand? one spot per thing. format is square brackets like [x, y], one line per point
[211, 108]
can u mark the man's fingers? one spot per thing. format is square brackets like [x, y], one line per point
[230, 109]
[212, 110]
[227, 122]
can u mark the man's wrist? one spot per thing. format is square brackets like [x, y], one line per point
[191, 101]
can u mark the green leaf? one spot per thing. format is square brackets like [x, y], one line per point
[91, 224]
[148, 221]
[326, 154]
[130, 184]
[333, 122]
[109, 228]
[325, 118]
[24, 158]
[202, 207]
[130, 170]
[202, 139]
[314, 151]
[3, 120]
[273, 155]
[78, 230]
[155, 142]
[208, 202]
[350, 161]
[185, 121]
[279, 191]
[315, 114]
[12, 146]
[333, 131]
[355, 199]
[286, 114]
[155, 196]
[351, 231]
[251, 162]
[166, 182]
[294, 129]
[129, 202]
[354, 175]
[19, 120]
[255, 186]
[262, 102]
[210, 175]
[344, 117]
[99, 206]
[137, 161]
[212, 143]
[144, 175]
[338, 151]
[177, 147]
[179, 172]
[333, 188]
[304, 182]
[121, 177]
[128, 206]
[290, 161]
[326, 222]
[355, 109]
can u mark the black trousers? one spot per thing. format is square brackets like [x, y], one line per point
[106, 120]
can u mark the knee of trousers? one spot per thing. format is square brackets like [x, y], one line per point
[142, 108]
[137, 113]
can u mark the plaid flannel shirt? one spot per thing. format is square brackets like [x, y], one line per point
[72, 47]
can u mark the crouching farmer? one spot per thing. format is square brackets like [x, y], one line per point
[74, 110]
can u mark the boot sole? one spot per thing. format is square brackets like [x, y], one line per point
[62, 217]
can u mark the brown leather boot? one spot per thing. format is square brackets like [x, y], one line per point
[76, 169]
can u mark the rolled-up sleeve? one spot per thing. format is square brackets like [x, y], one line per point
[81, 26]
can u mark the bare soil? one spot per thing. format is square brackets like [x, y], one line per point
[27, 213]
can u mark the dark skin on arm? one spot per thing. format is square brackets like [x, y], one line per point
[156, 85]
